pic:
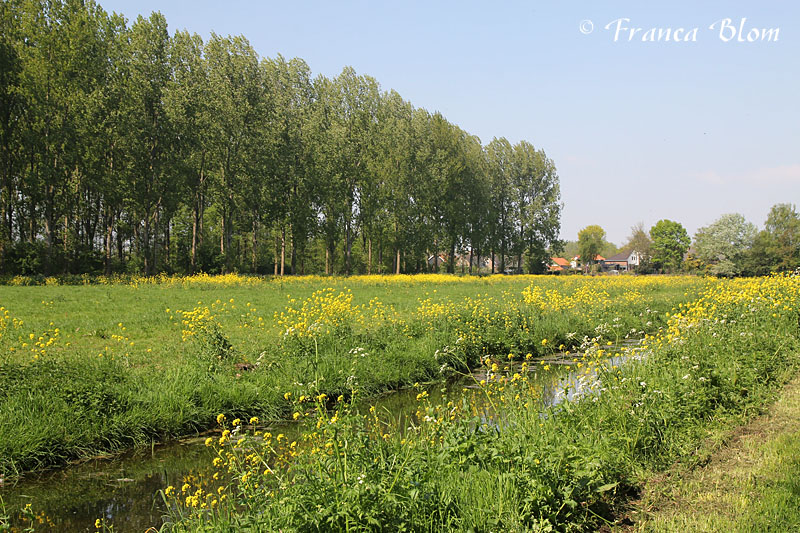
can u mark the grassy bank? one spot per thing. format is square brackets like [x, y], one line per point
[752, 483]
[492, 459]
[119, 362]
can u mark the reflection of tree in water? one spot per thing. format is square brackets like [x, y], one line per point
[122, 490]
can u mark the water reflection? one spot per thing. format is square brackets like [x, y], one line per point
[123, 490]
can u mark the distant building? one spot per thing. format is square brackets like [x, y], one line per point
[623, 261]
[576, 261]
[437, 260]
[558, 264]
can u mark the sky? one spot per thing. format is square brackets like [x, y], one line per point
[640, 128]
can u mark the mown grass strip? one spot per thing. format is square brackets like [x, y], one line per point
[750, 484]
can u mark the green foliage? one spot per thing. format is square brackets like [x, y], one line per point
[590, 243]
[670, 243]
[777, 247]
[99, 387]
[125, 149]
[493, 458]
[215, 347]
[723, 245]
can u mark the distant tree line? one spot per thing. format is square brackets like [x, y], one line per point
[126, 149]
[730, 246]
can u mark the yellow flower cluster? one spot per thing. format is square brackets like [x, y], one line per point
[598, 292]
[37, 344]
[324, 311]
[5, 320]
[722, 301]
[202, 317]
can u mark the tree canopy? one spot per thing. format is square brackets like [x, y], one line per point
[126, 149]
[670, 243]
[723, 244]
[776, 248]
[590, 242]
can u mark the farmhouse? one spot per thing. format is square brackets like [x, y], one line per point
[558, 264]
[623, 261]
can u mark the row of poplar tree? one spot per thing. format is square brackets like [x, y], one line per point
[125, 148]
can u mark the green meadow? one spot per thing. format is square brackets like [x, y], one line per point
[111, 364]
[94, 368]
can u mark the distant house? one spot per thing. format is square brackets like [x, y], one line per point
[623, 261]
[462, 261]
[558, 264]
[437, 260]
[576, 261]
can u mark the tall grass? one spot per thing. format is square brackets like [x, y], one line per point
[115, 363]
[495, 459]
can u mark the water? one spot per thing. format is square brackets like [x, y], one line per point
[124, 489]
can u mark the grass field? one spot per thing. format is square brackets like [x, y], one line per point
[114, 363]
[492, 458]
[97, 367]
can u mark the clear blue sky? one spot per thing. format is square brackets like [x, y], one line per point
[639, 131]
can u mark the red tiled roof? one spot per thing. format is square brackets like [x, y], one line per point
[560, 261]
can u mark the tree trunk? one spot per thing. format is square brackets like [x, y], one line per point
[397, 268]
[167, 259]
[369, 256]
[283, 249]
[222, 235]
[195, 220]
[49, 235]
[332, 250]
[120, 250]
[470, 259]
[228, 229]
[195, 230]
[200, 223]
[293, 260]
[109, 233]
[197, 213]
[146, 244]
[65, 244]
[255, 245]
[155, 240]
[347, 247]
[275, 256]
